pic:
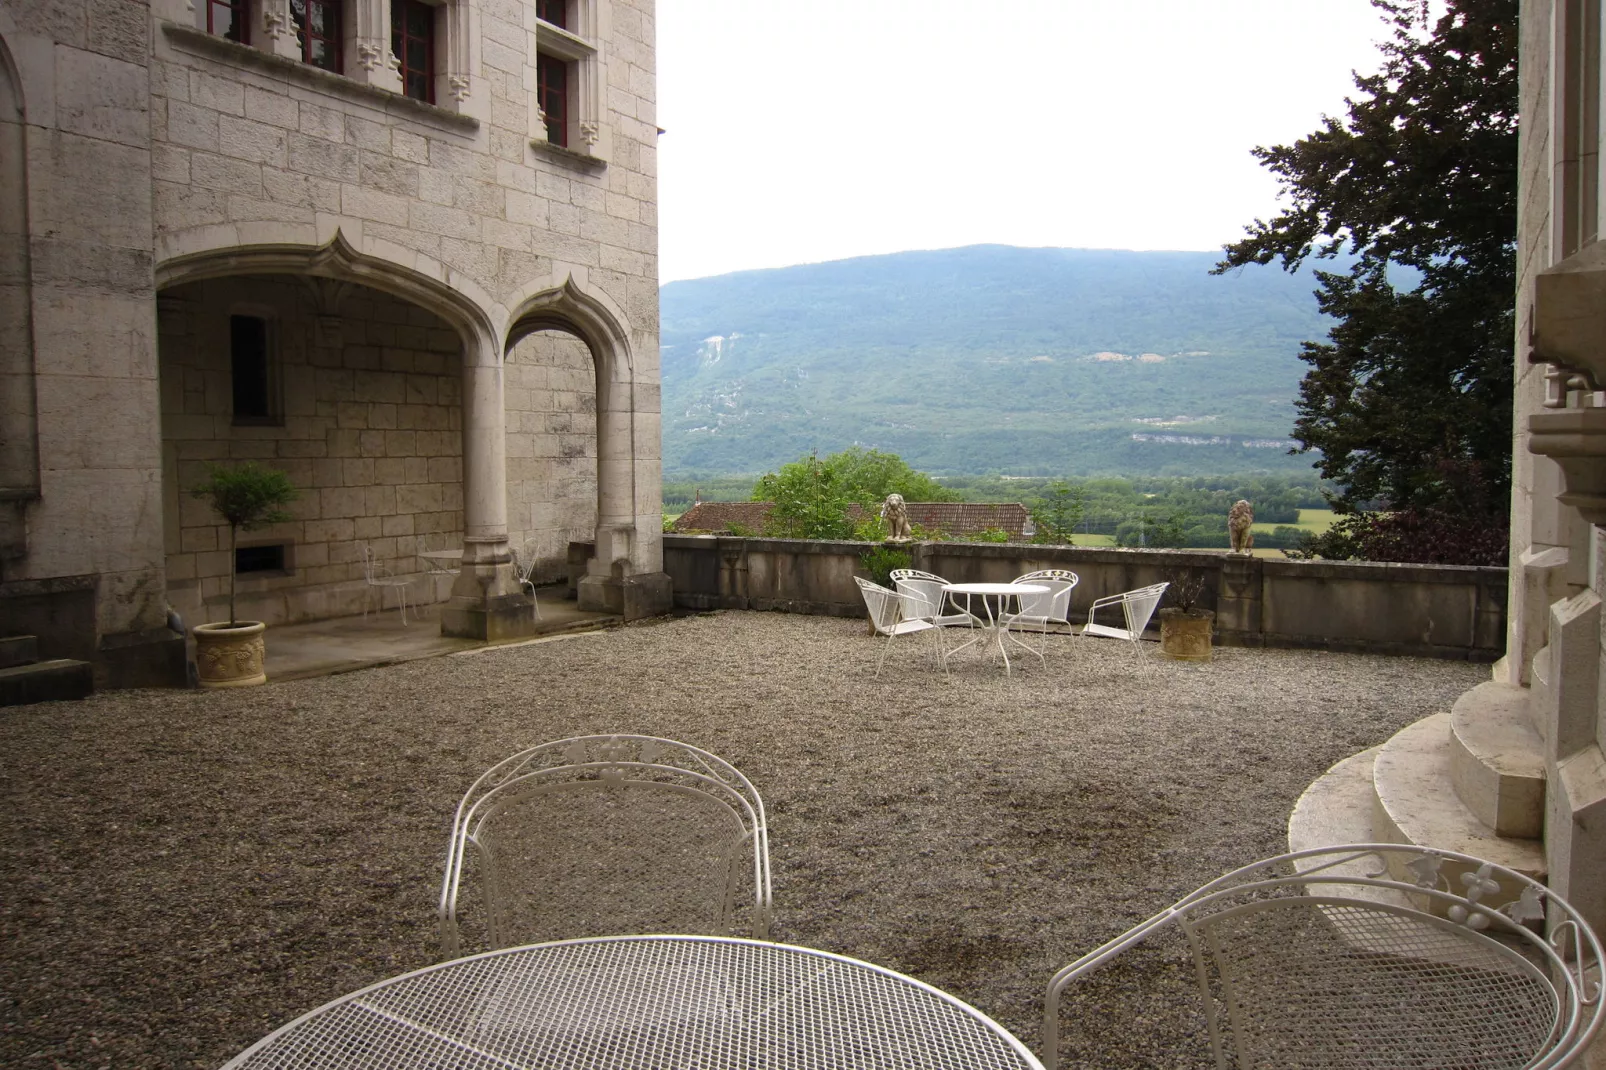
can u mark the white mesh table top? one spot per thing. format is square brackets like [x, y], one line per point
[645, 1002]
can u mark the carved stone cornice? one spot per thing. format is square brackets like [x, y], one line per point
[1576, 440]
[1568, 328]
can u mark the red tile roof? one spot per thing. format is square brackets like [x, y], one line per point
[959, 519]
[750, 517]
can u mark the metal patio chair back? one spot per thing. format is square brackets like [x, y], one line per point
[606, 835]
[893, 613]
[927, 588]
[377, 579]
[1136, 608]
[524, 566]
[1361, 955]
[1051, 607]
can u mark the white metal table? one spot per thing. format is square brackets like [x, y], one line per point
[445, 558]
[640, 1002]
[995, 625]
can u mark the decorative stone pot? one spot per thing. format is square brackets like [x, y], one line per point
[230, 655]
[1185, 634]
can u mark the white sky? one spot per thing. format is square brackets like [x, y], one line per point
[801, 132]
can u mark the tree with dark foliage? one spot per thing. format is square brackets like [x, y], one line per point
[1409, 399]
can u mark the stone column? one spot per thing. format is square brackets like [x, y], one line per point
[487, 602]
[619, 578]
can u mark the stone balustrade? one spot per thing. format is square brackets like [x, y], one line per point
[1446, 611]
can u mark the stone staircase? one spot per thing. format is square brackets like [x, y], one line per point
[25, 679]
[1471, 780]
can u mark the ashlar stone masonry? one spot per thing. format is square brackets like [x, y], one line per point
[456, 288]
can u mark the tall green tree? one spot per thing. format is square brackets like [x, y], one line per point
[812, 494]
[1409, 398]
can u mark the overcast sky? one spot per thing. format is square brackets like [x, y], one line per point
[801, 132]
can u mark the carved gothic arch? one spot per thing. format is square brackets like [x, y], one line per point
[338, 260]
[587, 315]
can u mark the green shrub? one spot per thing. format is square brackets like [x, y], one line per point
[988, 535]
[879, 561]
[247, 496]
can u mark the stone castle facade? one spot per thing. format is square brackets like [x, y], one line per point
[404, 251]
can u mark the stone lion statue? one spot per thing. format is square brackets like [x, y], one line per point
[1238, 526]
[896, 514]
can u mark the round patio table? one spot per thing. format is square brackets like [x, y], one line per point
[712, 1003]
[995, 626]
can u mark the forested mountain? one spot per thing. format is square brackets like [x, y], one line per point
[989, 359]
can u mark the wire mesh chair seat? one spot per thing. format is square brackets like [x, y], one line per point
[524, 566]
[377, 579]
[1051, 607]
[1382, 956]
[607, 835]
[1137, 607]
[893, 614]
[926, 599]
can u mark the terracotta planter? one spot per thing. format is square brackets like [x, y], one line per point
[230, 656]
[1185, 635]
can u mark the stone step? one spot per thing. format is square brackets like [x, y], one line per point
[46, 681]
[1416, 803]
[18, 650]
[1539, 692]
[1337, 808]
[1497, 759]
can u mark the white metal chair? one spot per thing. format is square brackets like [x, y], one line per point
[607, 835]
[1358, 955]
[893, 614]
[524, 571]
[1052, 607]
[377, 579]
[1136, 609]
[927, 588]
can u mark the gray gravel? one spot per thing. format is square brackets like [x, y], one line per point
[184, 871]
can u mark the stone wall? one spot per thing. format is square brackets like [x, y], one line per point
[371, 436]
[91, 514]
[1430, 610]
[551, 449]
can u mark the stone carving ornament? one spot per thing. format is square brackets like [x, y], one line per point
[896, 514]
[1239, 523]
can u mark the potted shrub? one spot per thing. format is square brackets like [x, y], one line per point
[246, 496]
[1185, 628]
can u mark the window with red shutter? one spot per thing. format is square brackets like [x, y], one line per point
[412, 39]
[317, 24]
[552, 94]
[230, 19]
[554, 11]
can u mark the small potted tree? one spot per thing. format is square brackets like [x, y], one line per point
[247, 496]
[1185, 628]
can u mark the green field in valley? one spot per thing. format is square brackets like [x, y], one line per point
[1314, 521]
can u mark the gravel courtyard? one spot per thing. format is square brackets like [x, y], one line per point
[184, 871]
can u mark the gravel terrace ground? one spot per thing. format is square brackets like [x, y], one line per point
[185, 871]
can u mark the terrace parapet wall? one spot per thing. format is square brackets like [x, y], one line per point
[1443, 611]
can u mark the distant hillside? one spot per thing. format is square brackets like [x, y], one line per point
[989, 359]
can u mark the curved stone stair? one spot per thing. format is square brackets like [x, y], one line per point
[1435, 782]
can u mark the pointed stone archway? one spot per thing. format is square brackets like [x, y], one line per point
[486, 602]
[625, 573]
